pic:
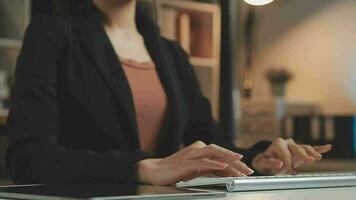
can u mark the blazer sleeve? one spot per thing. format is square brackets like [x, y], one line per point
[201, 125]
[34, 155]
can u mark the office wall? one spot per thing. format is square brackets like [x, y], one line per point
[316, 41]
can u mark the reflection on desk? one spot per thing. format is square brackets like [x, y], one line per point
[341, 193]
[102, 191]
[344, 193]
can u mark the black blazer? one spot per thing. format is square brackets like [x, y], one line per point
[72, 116]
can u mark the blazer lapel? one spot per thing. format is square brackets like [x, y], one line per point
[167, 143]
[163, 60]
[99, 48]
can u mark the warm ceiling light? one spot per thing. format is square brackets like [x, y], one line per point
[258, 2]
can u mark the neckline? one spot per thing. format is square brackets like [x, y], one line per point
[136, 64]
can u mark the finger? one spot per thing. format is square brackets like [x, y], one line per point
[312, 152]
[323, 148]
[229, 172]
[215, 151]
[241, 167]
[193, 147]
[205, 163]
[198, 144]
[201, 167]
[270, 165]
[237, 165]
[280, 148]
[299, 153]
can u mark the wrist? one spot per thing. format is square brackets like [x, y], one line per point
[145, 168]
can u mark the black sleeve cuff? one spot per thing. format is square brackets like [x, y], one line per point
[250, 153]
[122, 167]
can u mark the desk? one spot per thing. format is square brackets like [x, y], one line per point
[347, 193]
[341, 193]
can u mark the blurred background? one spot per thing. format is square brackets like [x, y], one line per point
[282, 68]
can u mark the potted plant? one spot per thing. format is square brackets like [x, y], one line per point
[278, 77]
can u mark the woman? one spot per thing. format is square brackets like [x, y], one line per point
[101, 96]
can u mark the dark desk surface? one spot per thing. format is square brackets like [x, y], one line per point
[100, 190]
[340, 193]
[84, 191]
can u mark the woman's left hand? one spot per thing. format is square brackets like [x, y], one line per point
[283, 154]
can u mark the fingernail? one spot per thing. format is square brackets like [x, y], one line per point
[238, 155]
[250, 171]
[279, 165]
[293, 172]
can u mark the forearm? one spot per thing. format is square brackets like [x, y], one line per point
[39, 162]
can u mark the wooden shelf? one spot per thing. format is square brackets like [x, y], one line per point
[204, 62]
[12, 43]
[3, 116]
[196, 26]
[188, 5]
[3, 119]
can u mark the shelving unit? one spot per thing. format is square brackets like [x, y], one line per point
[14, 18]
[204, 62]
[267, 119]
[196, 26]
[10, 43]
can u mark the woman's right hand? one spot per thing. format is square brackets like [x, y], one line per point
[195, 160]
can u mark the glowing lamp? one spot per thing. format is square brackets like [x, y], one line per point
[258, 2]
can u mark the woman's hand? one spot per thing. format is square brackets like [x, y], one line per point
[195, 160]
[283, 154]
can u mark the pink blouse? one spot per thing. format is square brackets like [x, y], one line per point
[150, 100]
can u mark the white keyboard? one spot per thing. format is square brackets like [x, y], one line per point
[255, 183]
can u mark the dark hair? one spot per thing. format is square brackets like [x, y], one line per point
[81, 7]
[72, 7]
[87, 7]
